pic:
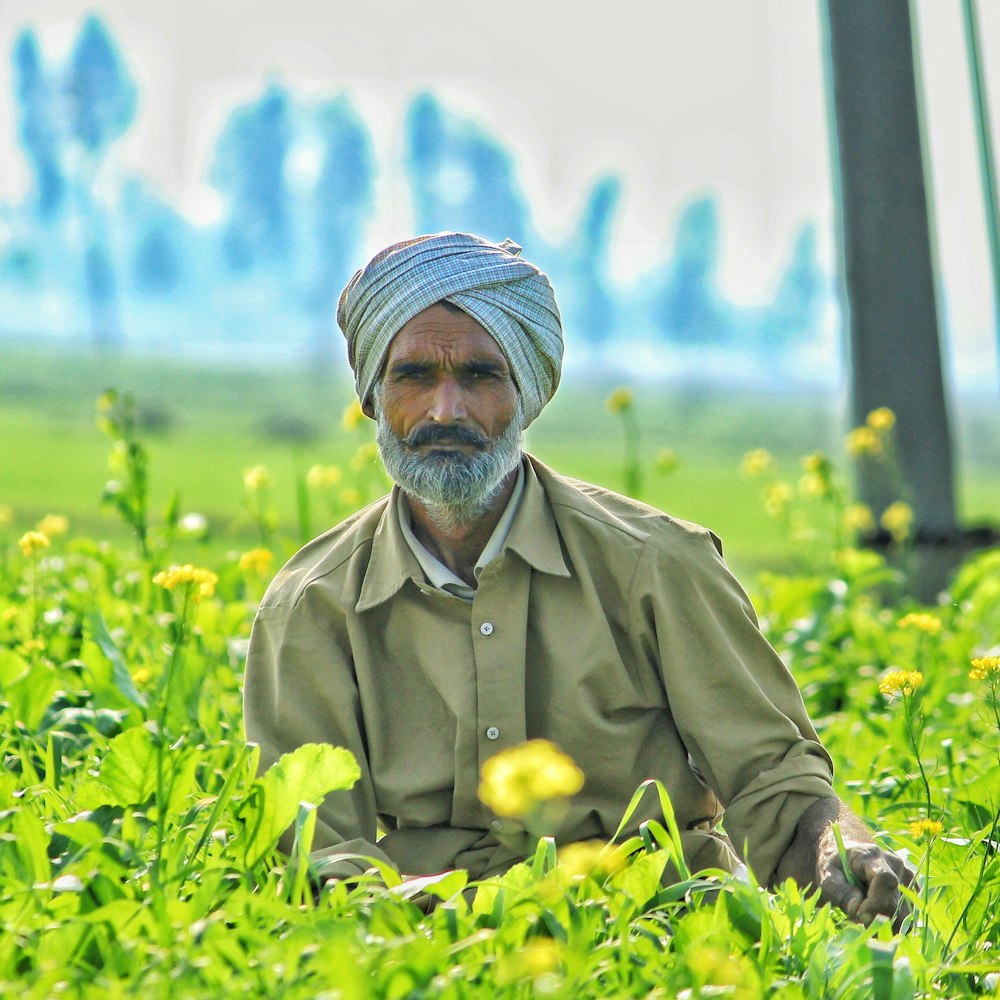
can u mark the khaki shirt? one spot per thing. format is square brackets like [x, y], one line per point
[603, 625]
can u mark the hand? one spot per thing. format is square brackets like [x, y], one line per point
[879, 875]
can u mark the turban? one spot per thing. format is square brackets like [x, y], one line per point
[510, 298]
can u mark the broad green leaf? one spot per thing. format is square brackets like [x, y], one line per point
[119, 672]
[307, 774]
[640, 880]
[128, 771]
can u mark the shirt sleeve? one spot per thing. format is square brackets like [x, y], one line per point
[735, 704]
[300, 688]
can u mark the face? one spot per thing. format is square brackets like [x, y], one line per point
[449, 414]
[444, 370]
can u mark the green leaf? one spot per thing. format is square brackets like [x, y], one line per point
[128, 771]
[640, 880]
[119, 672]
[307, 774]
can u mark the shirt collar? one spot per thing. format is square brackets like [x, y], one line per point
[532, 535]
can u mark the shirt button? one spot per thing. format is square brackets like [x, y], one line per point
[486, 628]
[496, 826]
[493, 733]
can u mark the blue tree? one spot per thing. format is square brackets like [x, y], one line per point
[589, 305]
[38, 125]
[101, 105]
[249, 172]
[687, 307]
[461, 177]
[794, 315]
[342, 203]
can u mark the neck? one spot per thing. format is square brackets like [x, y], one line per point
[453, 535]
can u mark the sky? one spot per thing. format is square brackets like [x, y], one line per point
[678, 98]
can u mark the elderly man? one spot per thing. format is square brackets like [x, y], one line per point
[488, 600]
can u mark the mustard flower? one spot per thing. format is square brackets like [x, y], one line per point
[365, 455]
[353, 416]
[6, 514]
[200, 582]
[256, 478]
[863, 441]
[896, 519]
[882, 419]
[984, 668]
[142, 675]
[900, 682]
[921, 622]
[757, 462]
[857, 517]
[776, 498]
[32, 542]
[256, 561]
[590, 856]
[925, 828]
[667, 460]
[320, 477]
[350, 496]
[518, 779]
[620, 400]
[53, 525]
[812, 484]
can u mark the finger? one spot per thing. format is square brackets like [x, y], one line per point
[883, 896]
[836, 890]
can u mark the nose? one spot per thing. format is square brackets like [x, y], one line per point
[447, 404]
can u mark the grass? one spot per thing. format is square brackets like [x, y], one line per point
[204, 427]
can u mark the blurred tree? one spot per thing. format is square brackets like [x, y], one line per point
[687, 307]
[461, 177]
[589, 304]
[38, 125]
[101, 104]
[249, 172]
[342, 202]
[793, 316]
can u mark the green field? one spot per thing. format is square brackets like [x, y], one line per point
[205, 426]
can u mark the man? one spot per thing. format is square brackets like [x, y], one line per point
[488, 600]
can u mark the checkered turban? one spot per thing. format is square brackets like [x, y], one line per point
[510, 298]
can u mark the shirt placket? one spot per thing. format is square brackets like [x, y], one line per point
[499, 628]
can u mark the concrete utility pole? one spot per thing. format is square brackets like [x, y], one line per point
[887, 255]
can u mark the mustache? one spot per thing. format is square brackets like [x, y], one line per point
[438, 434]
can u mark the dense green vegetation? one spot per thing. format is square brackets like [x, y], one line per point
[137, 843]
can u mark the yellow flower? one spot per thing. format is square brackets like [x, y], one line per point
[921, 622]
[256, 561]
[620, 400]
[667, 460]
[903, 682]
[256, 478]
[857, 517]
[812, 484]
[365, 455]
[350, 497]
[32, 542]
[863, 441]
[776, 498]
[200, 582]
[590, 856]
[925, 828]
[882, 419]
[6, 514]
[541, 955]
[53, 525]
[142, 675]
[896, 519]
[517, 779]
[983, 667]
[321, 477]
[353, 416]
[816, 462]
[757, 462]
